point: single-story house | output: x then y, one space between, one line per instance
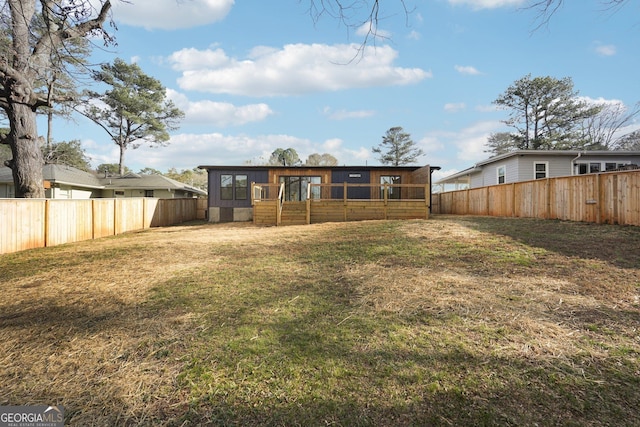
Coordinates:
66 182
526 165
230 187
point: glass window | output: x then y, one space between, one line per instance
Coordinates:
610 166
242 187
582 168
394 192
502 174
594 167
148 193
226 187
296 187
540 170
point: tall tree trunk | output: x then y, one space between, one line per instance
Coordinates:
49 129
121 164
27 159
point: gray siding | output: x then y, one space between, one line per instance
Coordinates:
489 175
556 166
214 186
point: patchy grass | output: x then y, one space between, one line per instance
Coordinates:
450 321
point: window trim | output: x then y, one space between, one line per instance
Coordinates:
546 169
394 192
501 172
238 195
226 186
297 185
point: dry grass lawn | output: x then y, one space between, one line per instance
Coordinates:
450 321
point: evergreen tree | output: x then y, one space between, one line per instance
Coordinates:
397 148
134 111
546 113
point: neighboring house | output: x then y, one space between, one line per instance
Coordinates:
158 186
66 182
61 182
230 186
526 165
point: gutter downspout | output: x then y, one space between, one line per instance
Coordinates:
573 165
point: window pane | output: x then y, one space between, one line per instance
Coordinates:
226 187
609 166
501 174
394 193
594 167
241 187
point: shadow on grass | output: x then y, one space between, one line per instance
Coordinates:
614 244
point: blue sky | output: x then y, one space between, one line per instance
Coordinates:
256 76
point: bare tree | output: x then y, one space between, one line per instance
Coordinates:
629 142
317 159
31 33
547 8
355 14
601 130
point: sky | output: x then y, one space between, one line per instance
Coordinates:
254 76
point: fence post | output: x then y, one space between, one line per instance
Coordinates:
47 222
548 198
486 206
93 218
467 203
309 203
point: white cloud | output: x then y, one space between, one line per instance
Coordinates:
368 29
414 35
605 49
471 141
487 4
440 174
491 108
454 107
292 70
220 114
469 144
472 71
170 14
188 150
194 59
430 144
344 114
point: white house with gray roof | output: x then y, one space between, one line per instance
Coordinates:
66 182
526 165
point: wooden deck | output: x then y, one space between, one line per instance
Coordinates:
312 211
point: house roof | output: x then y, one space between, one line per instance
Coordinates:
68 175
572 154
147 182
558 153
61 174
269 167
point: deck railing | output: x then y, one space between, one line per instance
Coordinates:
275 205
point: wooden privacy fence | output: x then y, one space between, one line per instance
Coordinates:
36 223
611 197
